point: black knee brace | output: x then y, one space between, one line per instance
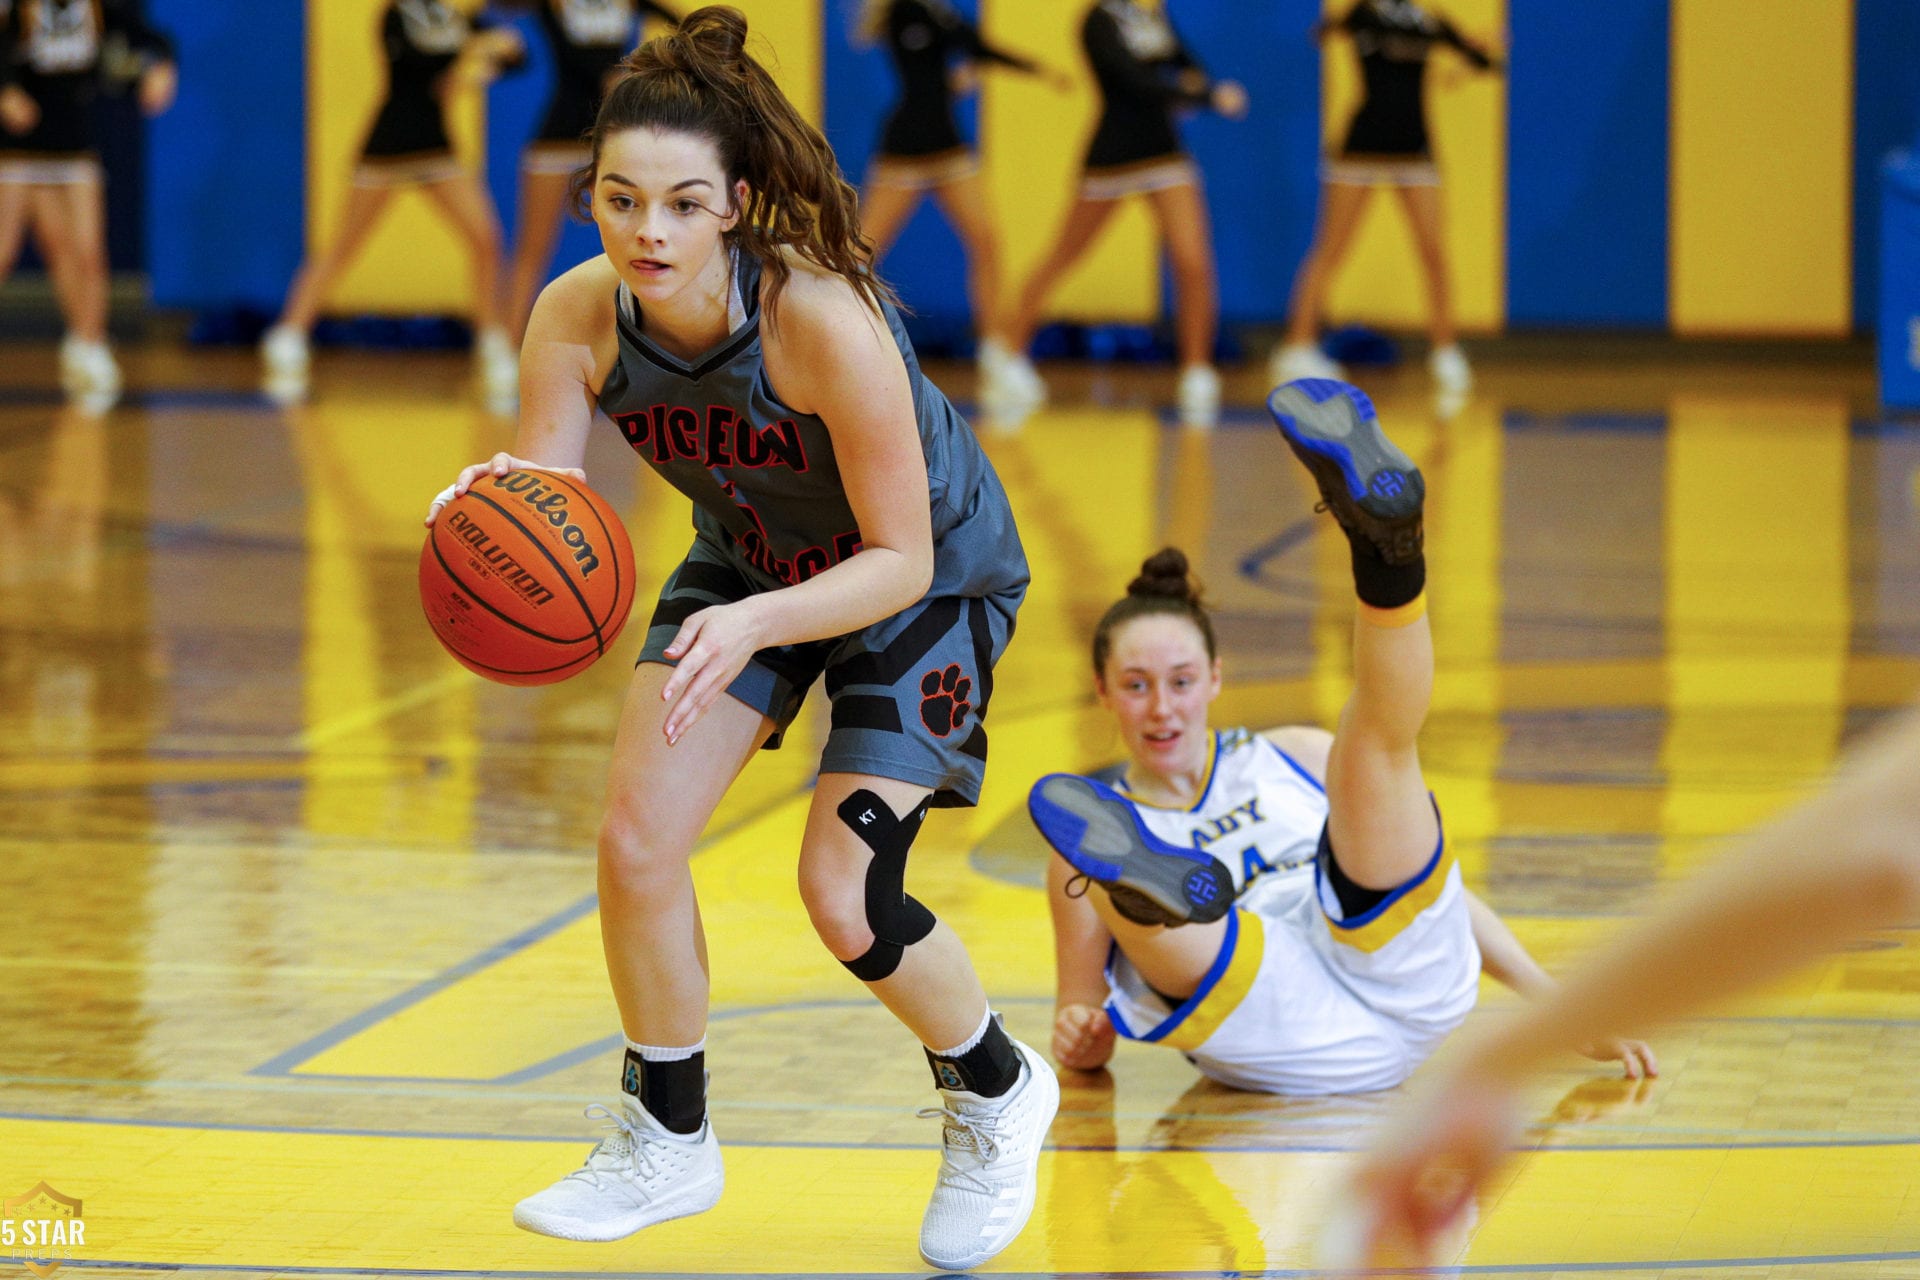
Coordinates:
896 919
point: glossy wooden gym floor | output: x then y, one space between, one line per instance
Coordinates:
299 967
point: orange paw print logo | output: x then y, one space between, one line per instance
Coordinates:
943 704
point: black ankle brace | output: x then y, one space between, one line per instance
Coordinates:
989 1069
674 1093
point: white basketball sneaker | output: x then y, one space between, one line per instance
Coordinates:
499 366
287 362
989 1169
1450 370
1199 396
640 1174
1010 387
1296 360
88 370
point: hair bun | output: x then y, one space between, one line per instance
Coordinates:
1164 575
718 29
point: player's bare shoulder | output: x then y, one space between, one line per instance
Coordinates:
579 303
820 322
574 324
814 297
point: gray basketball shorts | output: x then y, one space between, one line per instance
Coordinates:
909 693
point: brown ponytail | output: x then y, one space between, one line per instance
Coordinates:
1164 586
701 80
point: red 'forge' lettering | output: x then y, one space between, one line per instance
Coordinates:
666 432
757 550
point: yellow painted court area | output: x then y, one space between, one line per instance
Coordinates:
221 1199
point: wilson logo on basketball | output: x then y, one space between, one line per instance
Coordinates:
510 571
551 504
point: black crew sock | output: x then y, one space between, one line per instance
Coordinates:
1383 585
989 1069
674 1093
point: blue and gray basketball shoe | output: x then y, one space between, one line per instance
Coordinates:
1372 488
1148 880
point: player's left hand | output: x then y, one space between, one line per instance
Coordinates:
1083 1037
712 647
159 84
1635 1056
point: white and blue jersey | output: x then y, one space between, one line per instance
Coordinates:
1300 1001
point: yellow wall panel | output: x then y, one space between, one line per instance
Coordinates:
1032 139
413 262
1381 281
786 36
1762 149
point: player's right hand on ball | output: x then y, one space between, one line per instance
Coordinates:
1083 1037
498 465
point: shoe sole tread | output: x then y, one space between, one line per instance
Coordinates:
1366 480
1101 837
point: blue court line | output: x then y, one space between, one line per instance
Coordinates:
1622 423
594 1048
1535 1147
1657 423
182 398
1253 564
158 788
1284 1273
284 1063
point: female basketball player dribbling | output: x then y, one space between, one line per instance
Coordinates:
846 524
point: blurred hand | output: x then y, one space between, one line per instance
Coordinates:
502 46
964 80
1059 81
1083 1037
159 85
498 465
482 59
713 646
1422 1171
1636 1056
1230 99
18 112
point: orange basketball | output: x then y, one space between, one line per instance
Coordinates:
527 577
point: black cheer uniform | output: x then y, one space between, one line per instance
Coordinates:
1394 39
588 38
925 38
422 39
1145 73
52 50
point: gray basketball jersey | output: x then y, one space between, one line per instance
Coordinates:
763 478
